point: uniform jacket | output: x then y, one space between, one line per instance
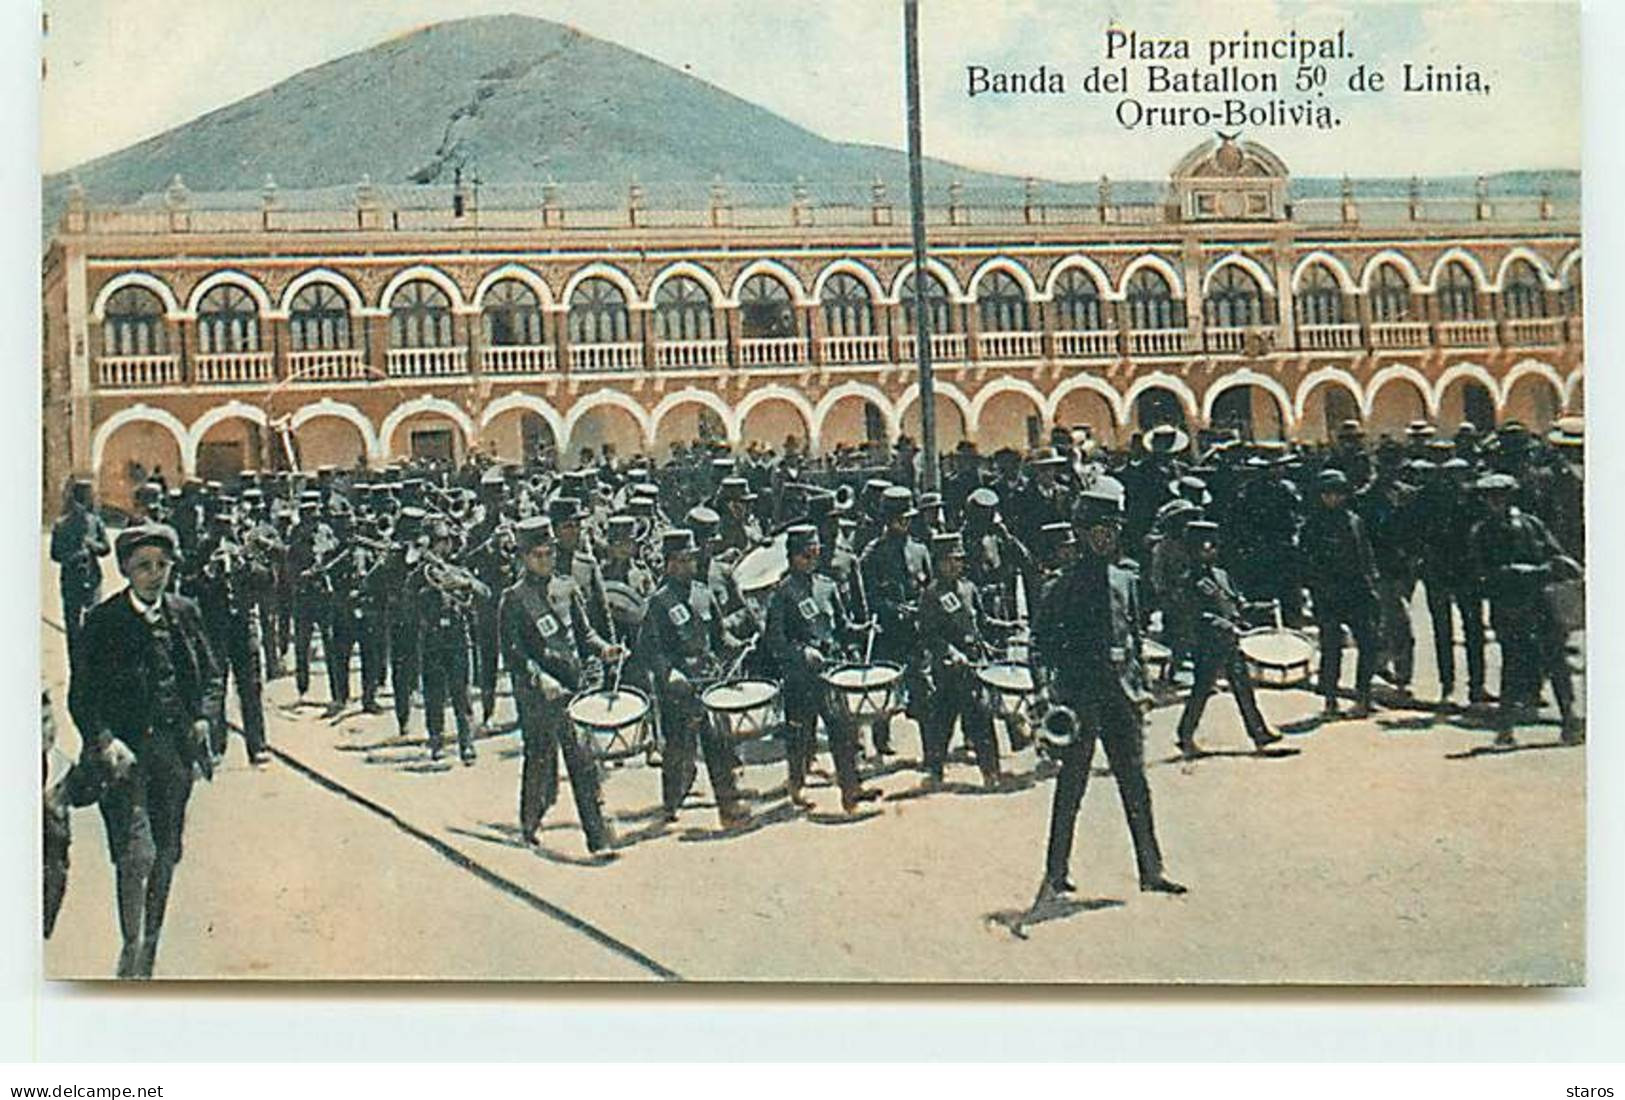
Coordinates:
545 626
1086 632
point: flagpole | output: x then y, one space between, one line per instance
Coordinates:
916 197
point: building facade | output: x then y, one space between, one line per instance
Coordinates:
202 334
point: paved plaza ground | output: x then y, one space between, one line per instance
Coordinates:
1398 849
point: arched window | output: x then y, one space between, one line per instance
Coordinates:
1522 294
512 316
228 320
1002 303
1572 293
1077 302
420 316
319 319
133 323
1390 295
936 301
683 311
847 309
1457 293
1234 299
598 313
1319 298
1151 303
765 311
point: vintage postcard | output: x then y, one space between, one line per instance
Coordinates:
1062 492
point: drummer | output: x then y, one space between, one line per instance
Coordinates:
951 626
680 643
1216 613
806 624
895 568
545 635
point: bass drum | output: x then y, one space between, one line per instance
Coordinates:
762 568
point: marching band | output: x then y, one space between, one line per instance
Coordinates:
677 611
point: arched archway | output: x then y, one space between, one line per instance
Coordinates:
1466 395
428 434
1085 407
517 434
776 415
603 425
1326 397
227 441
951 426
685 418
1533 398
852 418
327 439
132 451
1394 400
1249 408
1009 413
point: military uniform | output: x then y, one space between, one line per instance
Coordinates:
679 643
951 633
78 541
1343 582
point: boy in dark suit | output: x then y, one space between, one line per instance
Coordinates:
144 693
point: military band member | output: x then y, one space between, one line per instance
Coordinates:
224 595
807 625
78 543
951 633
1086 639
145 693
1217 620
310 548
1343 583
1518 557
895 569
445 610
681 643
546 635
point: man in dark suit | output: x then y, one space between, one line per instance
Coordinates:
144 692
78 541
1087 643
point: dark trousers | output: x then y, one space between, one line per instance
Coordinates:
405 668
1112 720
488 651
1442 597
805 704
445 679
688 730
957 699
340 640
75 606
1532 652
374 656
309 617
1394 622
240 661
1358 611
1209 664
546 731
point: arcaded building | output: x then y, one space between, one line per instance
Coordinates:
207 333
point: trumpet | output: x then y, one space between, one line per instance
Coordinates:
453 581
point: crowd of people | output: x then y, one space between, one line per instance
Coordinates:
1115 577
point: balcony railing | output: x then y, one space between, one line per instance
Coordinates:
945 347
1538 331
130 371
1328 337
606 357
1097 344
427 362
518 359
1010 345
1226 339
772 351
840 350
327 365
1399 334
1466 334
242 368
1159 341
691 354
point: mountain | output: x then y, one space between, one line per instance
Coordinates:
516 100
507 98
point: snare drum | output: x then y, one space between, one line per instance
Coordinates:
743 710
1006 688
1155 659
615 723
1277 657
866 693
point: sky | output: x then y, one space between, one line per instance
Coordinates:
118 71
